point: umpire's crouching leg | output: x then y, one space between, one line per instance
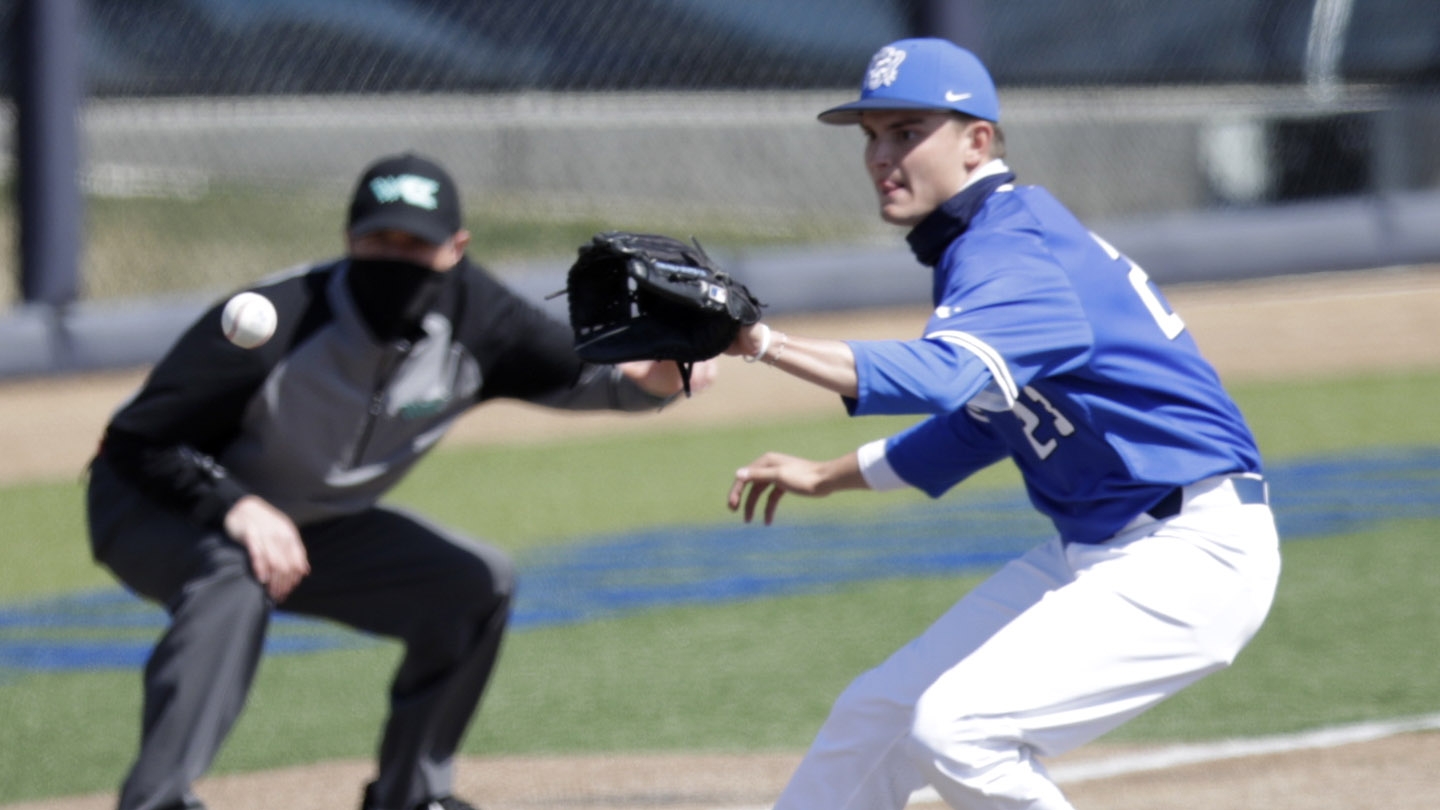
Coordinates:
448 599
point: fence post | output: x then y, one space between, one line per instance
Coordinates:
47 98
960 21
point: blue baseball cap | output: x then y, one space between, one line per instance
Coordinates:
922 74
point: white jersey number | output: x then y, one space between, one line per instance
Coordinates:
1169 322
1031 420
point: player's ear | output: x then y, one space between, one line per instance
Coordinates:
976 141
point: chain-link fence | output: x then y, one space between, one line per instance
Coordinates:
220 137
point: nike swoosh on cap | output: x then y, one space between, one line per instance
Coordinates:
953 97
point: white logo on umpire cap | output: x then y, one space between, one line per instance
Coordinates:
884 67
412 189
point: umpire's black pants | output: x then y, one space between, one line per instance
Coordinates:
383 572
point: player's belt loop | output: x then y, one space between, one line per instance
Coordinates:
1245 489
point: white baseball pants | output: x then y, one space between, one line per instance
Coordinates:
1057 648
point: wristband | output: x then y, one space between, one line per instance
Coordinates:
764 345
779 350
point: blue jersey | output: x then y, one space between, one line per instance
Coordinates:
1050 347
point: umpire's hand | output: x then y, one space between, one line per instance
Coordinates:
276 553
661 378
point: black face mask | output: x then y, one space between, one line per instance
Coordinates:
393 296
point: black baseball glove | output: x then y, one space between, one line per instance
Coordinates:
637 296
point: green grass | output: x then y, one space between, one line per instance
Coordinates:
612 484
1350 638
1345 641
44 550
1300 418
761 674
1340 646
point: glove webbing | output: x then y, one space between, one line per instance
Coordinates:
685 366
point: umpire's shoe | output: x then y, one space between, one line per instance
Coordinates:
443 803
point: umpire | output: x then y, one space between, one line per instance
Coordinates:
238 480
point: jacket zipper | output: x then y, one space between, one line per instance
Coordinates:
376 408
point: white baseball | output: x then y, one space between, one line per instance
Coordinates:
248 320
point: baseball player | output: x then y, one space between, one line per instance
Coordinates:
1048 347
236 480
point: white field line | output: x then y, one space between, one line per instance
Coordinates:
1193 754
1176 755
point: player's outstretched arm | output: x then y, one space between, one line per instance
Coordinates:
777 473
829 364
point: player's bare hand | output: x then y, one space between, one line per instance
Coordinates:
661 378
277 555
775 474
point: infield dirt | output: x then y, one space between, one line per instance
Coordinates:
1288 328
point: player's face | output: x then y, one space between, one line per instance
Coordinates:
400 246
917 160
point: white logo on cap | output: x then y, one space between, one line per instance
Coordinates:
413 189
884 68
952 96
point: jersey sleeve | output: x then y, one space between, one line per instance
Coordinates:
529 355
1004 315
603 387
523 352
923 376
164 440
939 452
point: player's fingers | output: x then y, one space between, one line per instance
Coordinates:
745 476
753 500
771 503
742 477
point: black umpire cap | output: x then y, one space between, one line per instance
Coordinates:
406 193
